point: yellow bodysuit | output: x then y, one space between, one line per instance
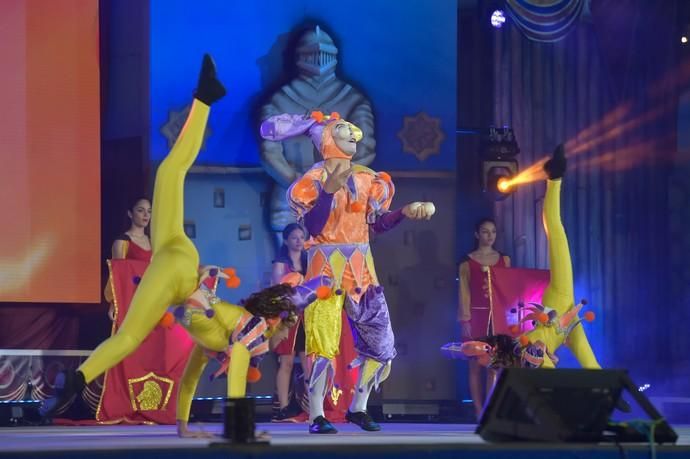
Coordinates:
172 275
231 331
559 295
556 319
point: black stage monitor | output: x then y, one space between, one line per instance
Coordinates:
564 405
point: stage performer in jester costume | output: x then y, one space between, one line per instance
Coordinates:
339 203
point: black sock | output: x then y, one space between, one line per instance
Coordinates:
209 89
555 167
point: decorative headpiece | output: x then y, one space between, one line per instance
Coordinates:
508 351
545 316
318 126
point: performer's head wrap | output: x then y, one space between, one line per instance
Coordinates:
516 349
319 127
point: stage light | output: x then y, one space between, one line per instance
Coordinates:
503 184
498 178
498 18
498 149
684 39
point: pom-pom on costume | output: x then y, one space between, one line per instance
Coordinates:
338 247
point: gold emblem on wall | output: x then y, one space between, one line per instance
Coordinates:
150 392
421 135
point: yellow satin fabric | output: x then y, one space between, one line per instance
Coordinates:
322 326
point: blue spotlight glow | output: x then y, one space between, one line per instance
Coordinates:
498 18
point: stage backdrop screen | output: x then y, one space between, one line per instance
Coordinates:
49 151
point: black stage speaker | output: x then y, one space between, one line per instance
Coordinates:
568 405
239 422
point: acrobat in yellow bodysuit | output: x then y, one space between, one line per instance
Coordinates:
173 276
556 319
237 336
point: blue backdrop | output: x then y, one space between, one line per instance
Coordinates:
402 55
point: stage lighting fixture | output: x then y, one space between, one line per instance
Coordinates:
684 39
503 184
498 18
499 148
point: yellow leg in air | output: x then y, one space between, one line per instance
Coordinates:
559 295
173 273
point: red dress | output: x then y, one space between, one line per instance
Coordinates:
135 252
478 288
287 346
142 389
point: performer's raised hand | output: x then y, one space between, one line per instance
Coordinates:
336 180
419 210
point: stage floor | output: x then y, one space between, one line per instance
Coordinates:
288 440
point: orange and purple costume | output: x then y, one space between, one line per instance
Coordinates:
338 249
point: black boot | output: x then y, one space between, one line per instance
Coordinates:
67 384
555 167
321 425
362 419
209 89
288 412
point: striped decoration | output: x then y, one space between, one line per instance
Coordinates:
545 20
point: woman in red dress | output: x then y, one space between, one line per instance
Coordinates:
292 258
474 311
133 244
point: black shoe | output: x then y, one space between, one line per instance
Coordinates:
286 414
322 426
362 419
67 384
555 167
209 89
